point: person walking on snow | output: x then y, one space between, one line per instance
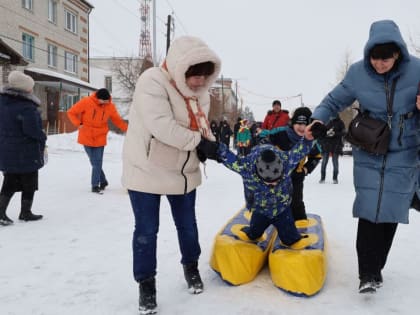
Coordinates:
91 115
22 145
168 117
332 145
384 184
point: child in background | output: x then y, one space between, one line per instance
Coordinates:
243 138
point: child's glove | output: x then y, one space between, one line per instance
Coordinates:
318 130
207 149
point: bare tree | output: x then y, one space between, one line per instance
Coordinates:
347 114
415 46
127 71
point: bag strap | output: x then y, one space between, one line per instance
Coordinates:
390 98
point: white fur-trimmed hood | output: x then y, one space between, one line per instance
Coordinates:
187 51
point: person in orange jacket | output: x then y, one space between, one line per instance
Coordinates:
91 115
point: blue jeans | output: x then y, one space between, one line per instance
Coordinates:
146 214
284 223
325 157
96 155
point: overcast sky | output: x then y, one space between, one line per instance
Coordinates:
272 48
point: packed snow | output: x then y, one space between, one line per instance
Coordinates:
77 260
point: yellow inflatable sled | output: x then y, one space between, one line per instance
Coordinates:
300 269
235 258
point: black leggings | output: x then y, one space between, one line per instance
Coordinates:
26 195
373 244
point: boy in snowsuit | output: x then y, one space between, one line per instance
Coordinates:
266 175
285 138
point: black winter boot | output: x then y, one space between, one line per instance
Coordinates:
192 276
147 299
26 213
4 202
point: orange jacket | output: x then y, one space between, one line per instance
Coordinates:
92 119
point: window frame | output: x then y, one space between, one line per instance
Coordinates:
28 48
70 62
28 4
52 55
108 82
70 21
52 11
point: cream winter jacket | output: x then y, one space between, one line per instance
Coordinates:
159 154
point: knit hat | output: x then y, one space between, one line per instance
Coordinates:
20 81
302 115
103 94
276 102
269 166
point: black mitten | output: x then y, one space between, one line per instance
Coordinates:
318 130
208 149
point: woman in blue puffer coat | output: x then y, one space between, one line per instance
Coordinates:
384 184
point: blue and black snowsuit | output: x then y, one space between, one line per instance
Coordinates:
269 203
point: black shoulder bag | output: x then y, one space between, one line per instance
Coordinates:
369 134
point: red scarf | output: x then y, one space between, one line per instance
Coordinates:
198 120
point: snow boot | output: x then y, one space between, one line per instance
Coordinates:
4 202
147 298
97 190
192 276
103 185
367 285
26 213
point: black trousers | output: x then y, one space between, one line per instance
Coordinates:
297 205
373 243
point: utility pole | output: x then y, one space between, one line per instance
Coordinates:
168 33
154 33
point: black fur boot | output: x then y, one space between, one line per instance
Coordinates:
192 276
4 202
147 299
26 213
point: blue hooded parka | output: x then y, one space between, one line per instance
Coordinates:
384 184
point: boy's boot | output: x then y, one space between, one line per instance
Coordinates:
192 276
4 202
25 211
147 298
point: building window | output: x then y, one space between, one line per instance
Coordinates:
68 101
70 62
71 21
52 11
27 4
52 56
108 83
28 50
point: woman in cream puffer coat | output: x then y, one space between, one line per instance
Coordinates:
160 158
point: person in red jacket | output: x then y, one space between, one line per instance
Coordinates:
91 115
276 117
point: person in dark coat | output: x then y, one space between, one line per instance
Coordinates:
285 138
332 145
214 129
236 127
225 132
22 144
